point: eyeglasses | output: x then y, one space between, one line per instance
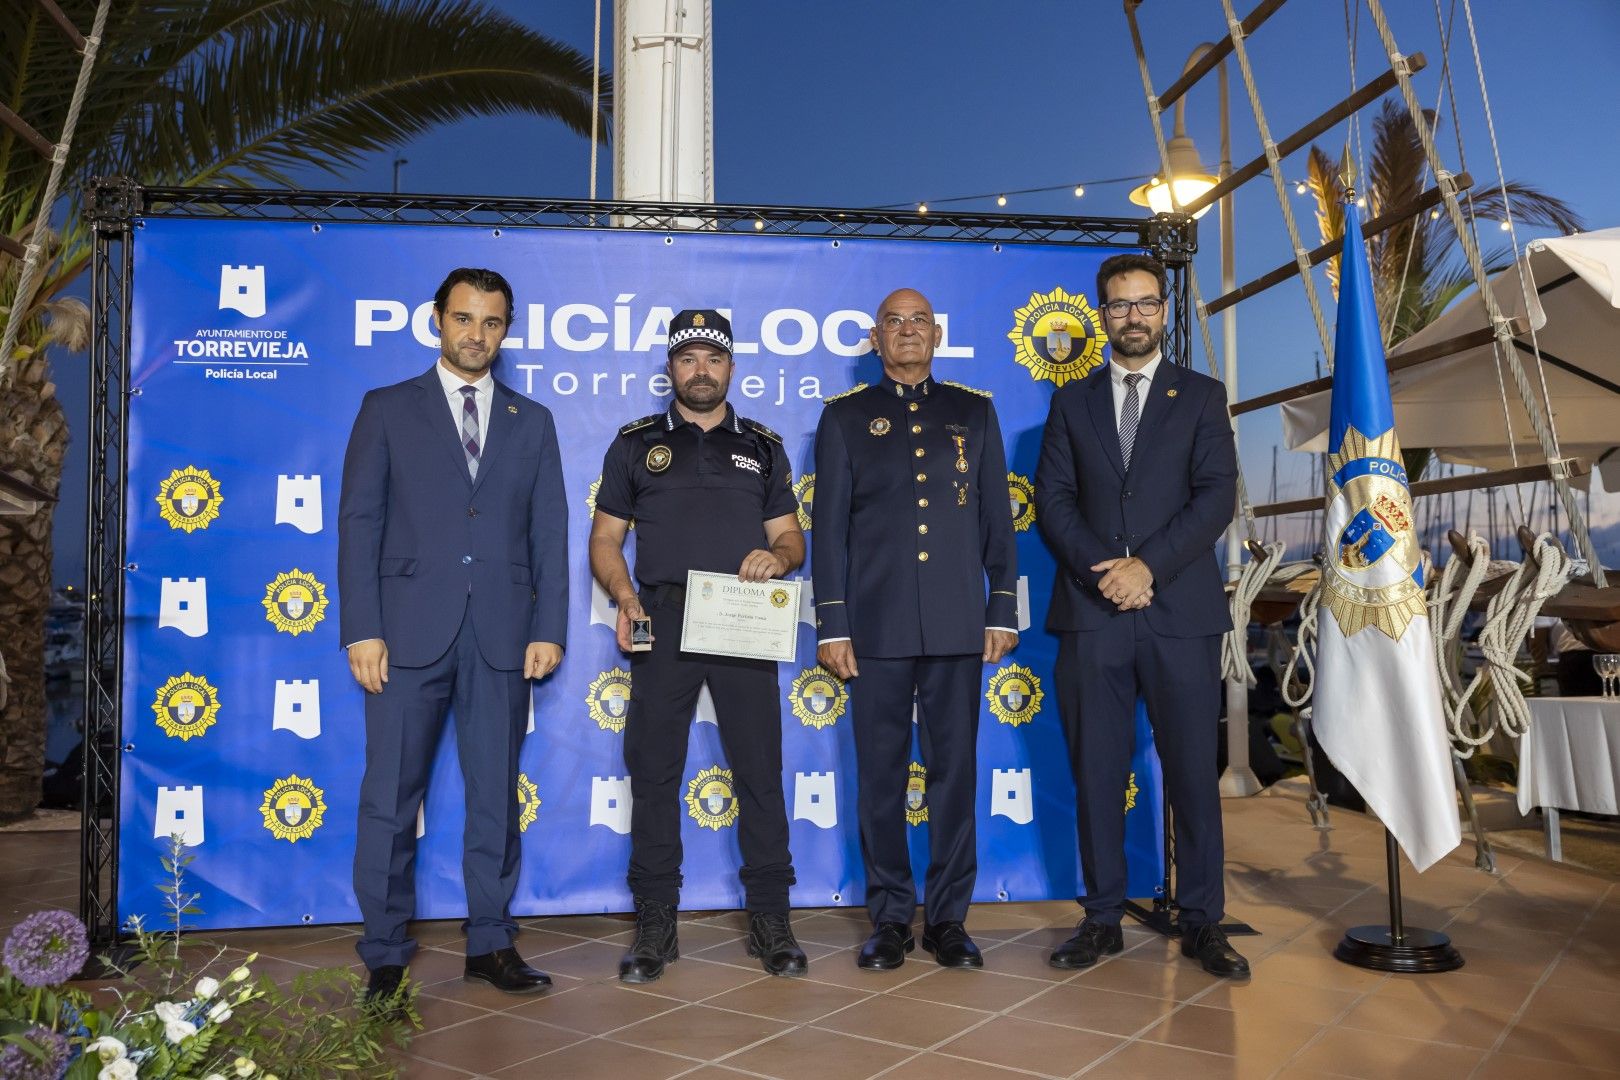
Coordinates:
919 322
1119 309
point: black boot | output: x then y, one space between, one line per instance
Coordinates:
654 945
770 937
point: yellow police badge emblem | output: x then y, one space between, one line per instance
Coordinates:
1057 336
528 797
880 426
294 602
189 499
658 458
186 706
1021 500
1015 695
293 808
711 801
818 697
1373 575
779 598
1131 792
609 699
804 489
917 794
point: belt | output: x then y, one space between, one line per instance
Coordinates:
663 596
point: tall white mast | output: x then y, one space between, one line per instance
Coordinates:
663 133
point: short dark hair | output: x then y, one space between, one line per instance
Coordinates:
1115 265
480 279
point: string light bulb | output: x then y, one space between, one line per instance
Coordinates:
922 208
1079 191
1434 215
1301 188
758 224
1504 226
1001 200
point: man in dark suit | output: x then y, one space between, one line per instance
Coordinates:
453 581
916 587
1137 480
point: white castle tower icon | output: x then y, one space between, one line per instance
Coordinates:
183 605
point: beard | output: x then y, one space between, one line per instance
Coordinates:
473 362
701 394
1135 347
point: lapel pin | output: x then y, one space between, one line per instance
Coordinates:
513 408
1168 393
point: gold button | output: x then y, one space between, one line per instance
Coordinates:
918 452
923 503
916 429
922 556
922 478
912 406
923 529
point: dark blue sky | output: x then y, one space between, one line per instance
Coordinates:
858 104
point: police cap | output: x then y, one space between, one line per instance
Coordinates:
702 324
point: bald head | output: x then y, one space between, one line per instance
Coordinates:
905 335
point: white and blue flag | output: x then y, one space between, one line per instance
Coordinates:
1378 711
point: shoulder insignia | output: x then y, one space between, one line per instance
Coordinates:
755 425
964 386
637 425
857 388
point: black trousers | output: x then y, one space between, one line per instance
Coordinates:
402 731
665 684
947 691
1099 675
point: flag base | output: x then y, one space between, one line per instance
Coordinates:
1416 952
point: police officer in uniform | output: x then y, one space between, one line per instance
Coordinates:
915 588
708 490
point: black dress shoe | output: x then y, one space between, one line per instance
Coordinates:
770 937
1208 945
1091 941
654 945
887 947
951 946
505 970
382 992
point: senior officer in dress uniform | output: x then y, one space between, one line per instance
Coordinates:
916 583
708 490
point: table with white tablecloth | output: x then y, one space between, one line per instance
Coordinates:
1570 760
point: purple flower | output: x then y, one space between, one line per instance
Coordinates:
47 948
18 1064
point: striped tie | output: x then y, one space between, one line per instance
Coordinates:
1128 415
469 427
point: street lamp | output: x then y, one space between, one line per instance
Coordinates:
1189 181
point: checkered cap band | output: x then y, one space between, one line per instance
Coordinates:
700 333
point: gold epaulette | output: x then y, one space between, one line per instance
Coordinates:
637 425
857 388
755 425
964 386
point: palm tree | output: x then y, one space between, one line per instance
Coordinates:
1417 266
210 92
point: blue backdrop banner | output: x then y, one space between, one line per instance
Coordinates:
251 346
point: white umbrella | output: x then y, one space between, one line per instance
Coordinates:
1455 404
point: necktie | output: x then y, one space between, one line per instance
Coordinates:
469 428
1128 415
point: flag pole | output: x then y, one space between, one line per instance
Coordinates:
1397 947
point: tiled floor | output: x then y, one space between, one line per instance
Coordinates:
1540 995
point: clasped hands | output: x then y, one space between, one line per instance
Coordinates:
1127 583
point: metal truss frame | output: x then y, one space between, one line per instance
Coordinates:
114 208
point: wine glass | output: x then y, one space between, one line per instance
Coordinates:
1608 669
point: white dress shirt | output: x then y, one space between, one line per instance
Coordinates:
1116 375
485 396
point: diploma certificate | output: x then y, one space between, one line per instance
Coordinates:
725 616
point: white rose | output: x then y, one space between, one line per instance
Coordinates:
122 1069
178 1031
107 1048
206 987
239 974
220 1013
169 1011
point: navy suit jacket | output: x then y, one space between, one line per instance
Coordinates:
1169 510
419 540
